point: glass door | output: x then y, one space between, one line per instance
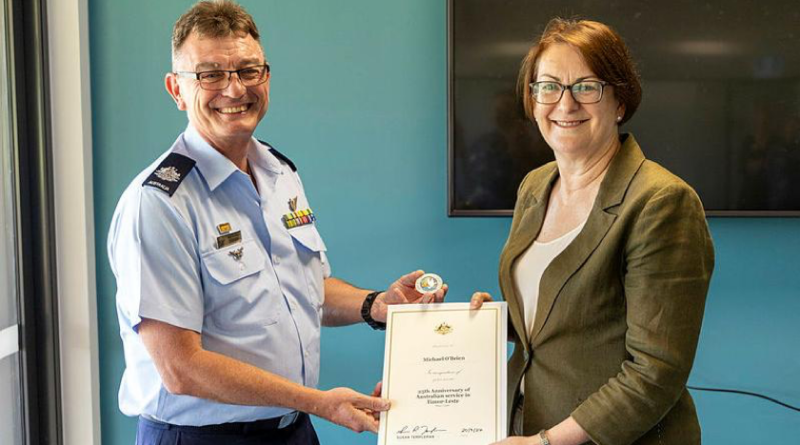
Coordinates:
11 425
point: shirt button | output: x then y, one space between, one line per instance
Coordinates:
276 259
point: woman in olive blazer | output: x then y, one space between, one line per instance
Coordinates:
619 309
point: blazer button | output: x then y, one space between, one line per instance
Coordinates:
526 355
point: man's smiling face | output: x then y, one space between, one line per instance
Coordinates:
228 116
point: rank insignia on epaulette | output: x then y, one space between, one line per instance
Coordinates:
170 173
298 218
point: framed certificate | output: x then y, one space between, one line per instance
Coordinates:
445 374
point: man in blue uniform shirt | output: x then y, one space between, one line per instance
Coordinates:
223 282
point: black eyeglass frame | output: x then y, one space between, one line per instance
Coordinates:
602 83
195 75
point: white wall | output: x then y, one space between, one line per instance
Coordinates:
70 107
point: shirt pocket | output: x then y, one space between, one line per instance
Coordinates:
311 254
309 238
237 300
234 262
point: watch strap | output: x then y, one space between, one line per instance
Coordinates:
543 437
366 312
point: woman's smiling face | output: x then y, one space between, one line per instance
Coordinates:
571 128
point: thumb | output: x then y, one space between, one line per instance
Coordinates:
371 403
410 279
478 298
378 389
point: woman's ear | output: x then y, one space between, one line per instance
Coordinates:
620 112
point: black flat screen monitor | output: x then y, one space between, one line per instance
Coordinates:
720 107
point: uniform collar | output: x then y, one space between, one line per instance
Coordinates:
262 157
215 167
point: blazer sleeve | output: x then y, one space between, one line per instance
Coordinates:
669 259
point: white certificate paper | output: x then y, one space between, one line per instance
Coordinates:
445 374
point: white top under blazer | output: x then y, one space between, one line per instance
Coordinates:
531 265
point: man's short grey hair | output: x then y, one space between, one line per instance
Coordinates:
215 19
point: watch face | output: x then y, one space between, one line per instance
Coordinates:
428 283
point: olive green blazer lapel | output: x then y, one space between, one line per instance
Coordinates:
603 214
522 235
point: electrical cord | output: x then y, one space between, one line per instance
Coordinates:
746 393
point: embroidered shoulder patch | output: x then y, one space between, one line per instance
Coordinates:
170 173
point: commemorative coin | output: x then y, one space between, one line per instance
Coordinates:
429 282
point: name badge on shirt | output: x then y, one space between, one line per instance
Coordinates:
229 239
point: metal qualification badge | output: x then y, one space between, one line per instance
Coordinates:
428 283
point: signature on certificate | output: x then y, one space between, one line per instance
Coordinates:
420 429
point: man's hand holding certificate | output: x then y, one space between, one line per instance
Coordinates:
445 374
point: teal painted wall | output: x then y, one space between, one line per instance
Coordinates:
359 102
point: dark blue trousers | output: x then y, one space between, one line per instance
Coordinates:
301 432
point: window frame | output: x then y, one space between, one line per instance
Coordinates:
32 152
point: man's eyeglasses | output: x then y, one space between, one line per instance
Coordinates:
584 92
220 79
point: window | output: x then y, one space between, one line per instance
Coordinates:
30 391
10 375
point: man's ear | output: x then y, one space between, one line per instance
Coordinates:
174 90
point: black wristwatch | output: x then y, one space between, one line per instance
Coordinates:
366 309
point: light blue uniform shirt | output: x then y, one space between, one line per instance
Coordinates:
263 308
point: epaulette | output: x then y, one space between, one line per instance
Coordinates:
280 155
170 173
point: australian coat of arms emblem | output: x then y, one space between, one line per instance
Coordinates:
443 329
169 174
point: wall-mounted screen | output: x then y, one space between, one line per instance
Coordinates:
720 107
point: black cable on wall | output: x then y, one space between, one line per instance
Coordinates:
745 393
